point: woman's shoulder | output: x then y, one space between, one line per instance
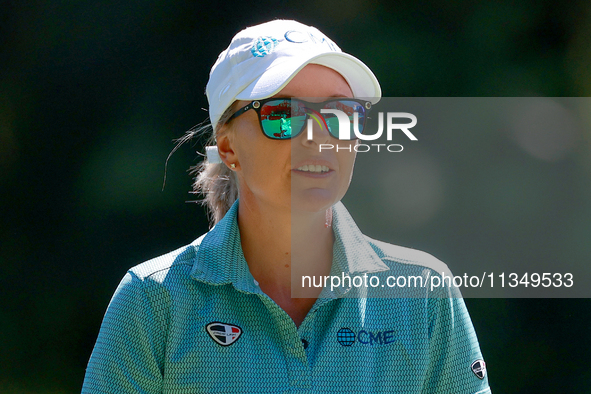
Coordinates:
179 261
399 255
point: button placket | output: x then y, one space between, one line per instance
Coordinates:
298 370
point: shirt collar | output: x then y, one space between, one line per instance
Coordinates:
220 260
219 256
352 253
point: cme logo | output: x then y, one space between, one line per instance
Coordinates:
347 337
263 46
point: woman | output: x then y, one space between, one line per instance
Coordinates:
218 315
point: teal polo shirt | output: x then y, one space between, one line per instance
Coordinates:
195 321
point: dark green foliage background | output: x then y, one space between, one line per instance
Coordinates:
93 93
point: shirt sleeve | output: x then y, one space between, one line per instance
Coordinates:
127 356
456 363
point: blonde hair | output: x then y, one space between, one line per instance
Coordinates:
215 181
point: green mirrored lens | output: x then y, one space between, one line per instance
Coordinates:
298 123
350 108
275 119
333 124
285 118
277 128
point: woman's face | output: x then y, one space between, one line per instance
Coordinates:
273 172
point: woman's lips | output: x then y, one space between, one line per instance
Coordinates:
313 174
318 169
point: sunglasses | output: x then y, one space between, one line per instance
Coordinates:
285 118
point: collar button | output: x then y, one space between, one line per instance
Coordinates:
305 343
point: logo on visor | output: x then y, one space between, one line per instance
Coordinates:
263 46
223 334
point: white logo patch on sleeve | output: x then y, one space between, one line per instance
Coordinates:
479 368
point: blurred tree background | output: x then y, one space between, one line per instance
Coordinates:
92 95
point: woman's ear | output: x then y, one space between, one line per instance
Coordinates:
226 150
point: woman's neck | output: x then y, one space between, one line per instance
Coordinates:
281 246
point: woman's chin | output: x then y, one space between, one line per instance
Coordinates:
312 200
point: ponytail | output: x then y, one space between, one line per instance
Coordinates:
215 181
